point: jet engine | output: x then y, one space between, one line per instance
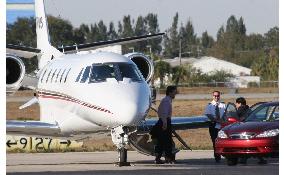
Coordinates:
15 72
144 64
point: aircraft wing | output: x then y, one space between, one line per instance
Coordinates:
100 44
35 128
178 123
142 142
22 51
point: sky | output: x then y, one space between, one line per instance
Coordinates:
206 15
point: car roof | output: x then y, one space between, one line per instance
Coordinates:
272 103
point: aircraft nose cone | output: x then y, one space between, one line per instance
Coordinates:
132 110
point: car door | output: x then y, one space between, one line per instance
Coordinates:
230 115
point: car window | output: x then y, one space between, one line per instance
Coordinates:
256 105
274 114
230 111
264 113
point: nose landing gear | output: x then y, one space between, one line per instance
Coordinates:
120 139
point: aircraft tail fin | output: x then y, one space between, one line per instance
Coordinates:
43 38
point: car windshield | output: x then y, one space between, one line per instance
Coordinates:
264 113
100 72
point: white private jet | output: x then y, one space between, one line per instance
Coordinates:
86 92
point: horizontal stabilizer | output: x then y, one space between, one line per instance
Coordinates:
22 51
31 128
100 44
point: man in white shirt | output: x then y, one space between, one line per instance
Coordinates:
164 138
214 111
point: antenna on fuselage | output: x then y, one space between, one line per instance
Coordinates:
76 48
62 48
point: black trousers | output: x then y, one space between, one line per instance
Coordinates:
164 141
213 134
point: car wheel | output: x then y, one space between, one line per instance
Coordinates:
231 161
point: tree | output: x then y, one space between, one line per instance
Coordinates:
120 29
242 28
254 42
272 37
188 39
161 69
140 29
220 34
171 41
61 31
206 40
127 27
267 66
102 31
127 31
232 25
22 32
85 30
152 26
111 32
179 73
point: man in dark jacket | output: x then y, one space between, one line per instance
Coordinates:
242 108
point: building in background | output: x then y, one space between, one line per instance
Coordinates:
208 65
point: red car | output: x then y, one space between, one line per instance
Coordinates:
256 136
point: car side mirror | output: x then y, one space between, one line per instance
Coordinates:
232 120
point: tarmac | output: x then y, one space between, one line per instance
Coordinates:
188 162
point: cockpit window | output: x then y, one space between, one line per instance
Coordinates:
129 71
100 72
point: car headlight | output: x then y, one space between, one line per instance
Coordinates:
269 133
222 134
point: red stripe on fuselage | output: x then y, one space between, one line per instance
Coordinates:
57 97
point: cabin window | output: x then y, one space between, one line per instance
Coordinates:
100 72
57 75
67 75
48 75
43 75
79 76
85 74
53 75
62 75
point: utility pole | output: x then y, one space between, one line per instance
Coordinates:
150 51
180 51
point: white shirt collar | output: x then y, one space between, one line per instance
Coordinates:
213 102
